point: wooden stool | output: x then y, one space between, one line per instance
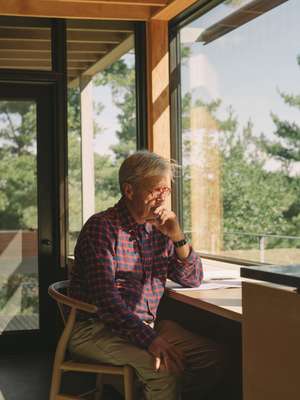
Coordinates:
57 292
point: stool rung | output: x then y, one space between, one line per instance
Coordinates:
101 368
67 397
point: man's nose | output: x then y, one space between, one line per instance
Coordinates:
160 201
163 195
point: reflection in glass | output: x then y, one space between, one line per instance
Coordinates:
241 134
18 217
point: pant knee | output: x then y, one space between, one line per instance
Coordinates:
162 385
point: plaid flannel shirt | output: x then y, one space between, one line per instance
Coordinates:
122 267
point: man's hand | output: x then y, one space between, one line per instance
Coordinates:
167 355
167 222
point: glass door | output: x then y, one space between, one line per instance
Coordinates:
26 209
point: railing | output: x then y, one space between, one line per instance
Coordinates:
262 239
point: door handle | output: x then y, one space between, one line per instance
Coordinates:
46 242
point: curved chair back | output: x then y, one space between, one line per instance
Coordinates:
59 292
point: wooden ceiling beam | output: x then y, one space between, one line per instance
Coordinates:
101 26
94 37
46 56
89 47
25 55
147 3
79 64
72 36
24 28
28 64
73 73
115 54
26 45
25 34
91 57
74 9
105 61
173 8
16 45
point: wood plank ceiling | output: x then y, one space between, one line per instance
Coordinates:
26 44
92 41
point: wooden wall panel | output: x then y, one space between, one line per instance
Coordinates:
158 88
75 9
271 351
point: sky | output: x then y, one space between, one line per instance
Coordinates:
247 67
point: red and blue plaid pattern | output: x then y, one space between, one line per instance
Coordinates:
122 267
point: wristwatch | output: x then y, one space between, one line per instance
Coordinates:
180 243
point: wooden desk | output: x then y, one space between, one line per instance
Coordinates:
271 351
226 303
216 314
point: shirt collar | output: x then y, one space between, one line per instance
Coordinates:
127 219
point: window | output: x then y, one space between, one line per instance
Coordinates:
102 114
240 130
19 302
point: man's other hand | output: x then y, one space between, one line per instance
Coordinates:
166 355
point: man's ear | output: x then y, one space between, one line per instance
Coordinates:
128 190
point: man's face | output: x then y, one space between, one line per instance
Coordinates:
150 194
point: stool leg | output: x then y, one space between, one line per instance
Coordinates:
129 382
55 382
99 387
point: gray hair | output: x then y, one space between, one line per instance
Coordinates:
144 164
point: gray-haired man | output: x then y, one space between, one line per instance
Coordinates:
123 257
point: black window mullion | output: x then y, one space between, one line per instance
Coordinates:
59 66
141 85
176 126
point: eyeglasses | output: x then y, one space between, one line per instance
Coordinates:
162 191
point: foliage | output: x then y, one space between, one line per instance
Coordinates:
285 148
255 200
18 194
120 77
74 160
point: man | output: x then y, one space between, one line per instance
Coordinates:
123 257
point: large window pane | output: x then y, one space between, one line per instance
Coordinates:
102 116
18 217
241 130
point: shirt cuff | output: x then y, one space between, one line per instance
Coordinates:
145 337
191 258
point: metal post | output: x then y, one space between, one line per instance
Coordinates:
262 248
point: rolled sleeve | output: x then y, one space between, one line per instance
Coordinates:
187 272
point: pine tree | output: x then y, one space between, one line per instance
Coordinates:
285 148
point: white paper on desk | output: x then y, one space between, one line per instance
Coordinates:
207 285
220 274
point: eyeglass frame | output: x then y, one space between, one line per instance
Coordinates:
161 191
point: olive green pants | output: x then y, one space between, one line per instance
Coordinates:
93 341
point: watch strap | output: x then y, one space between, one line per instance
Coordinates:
180 243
